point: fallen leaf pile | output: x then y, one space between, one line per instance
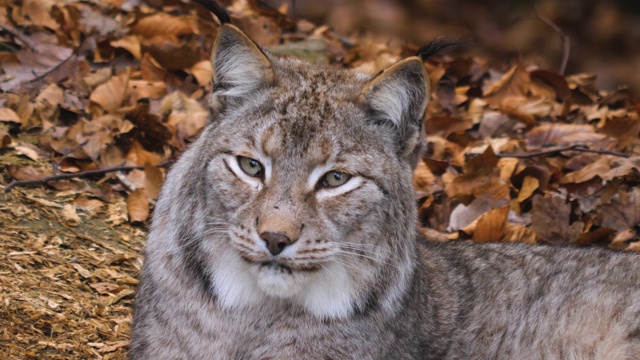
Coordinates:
99 99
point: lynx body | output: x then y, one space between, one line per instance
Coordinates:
288 231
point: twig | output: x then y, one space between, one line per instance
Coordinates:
88 173
566 40
558 151
39 77
18 36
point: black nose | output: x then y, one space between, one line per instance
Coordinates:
276 242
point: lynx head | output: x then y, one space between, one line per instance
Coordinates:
298 192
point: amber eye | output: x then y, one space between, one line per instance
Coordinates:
250 166
333 179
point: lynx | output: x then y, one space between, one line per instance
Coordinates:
288 231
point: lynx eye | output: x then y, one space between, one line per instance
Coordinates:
333 179
250 166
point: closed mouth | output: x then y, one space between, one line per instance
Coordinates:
276 265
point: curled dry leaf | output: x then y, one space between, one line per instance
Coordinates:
8 115
606 168
202 71
463 215
154 178
529 185
514 82
110 95
138 206
130 43
490 227
162 25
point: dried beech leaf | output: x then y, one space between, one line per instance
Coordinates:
110 95
562 135
529 185
514 82
154 179
491 225
463 215
519 233
162 25
69 215
550 220
138 206
8 115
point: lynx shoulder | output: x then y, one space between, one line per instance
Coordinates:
288 231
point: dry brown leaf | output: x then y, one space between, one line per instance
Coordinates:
623 212
526 109
69 215
463 215
162 25
202 71
173 56
519 233
154 178
45 106
130 43
490 227
550 220
186 114
27 151
110 95
607 168
561 135
138 206
46 60
514 82
140 89
81 270
483 181
37 12
5 139
88 204
529 186
8 115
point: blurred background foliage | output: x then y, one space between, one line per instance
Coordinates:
604 35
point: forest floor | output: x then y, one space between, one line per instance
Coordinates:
99 98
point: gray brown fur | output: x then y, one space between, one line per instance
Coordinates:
358 282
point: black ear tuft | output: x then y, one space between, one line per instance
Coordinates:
436 46
218 10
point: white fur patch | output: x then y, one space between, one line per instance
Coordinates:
330 294
327 293
234 283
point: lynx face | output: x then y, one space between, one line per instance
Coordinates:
307 181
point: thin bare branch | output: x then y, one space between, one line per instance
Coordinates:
82 174
566 40
559 151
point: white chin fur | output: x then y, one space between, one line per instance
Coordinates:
280 283
326 293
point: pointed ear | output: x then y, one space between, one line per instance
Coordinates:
240 68
397 97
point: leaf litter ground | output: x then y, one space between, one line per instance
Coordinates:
100 98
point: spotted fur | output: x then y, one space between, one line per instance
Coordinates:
356 282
